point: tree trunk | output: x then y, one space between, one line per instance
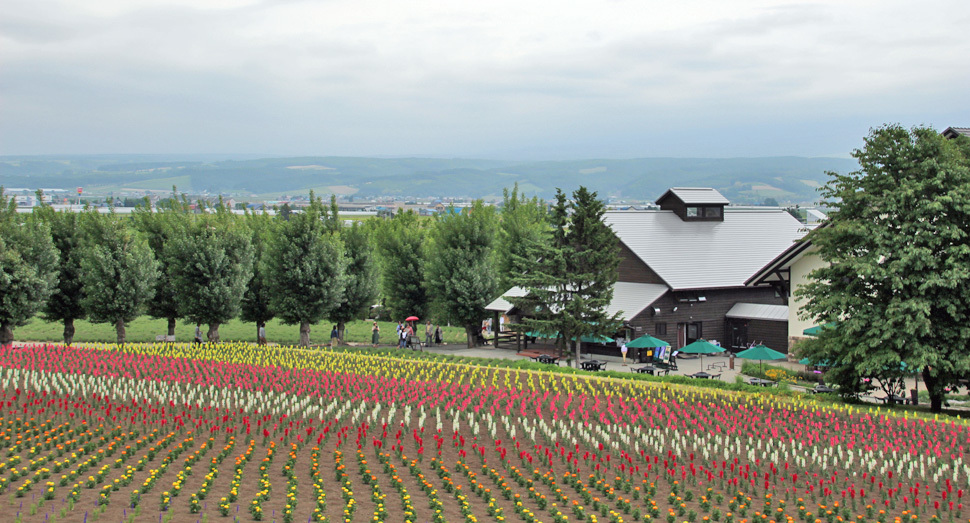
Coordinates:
213 334
171 326
340 331
120 330
68 331
470 334
935 390
6 334
304 334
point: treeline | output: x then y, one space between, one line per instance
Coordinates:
301 268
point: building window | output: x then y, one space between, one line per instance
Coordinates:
661 329
712 212
694 332
693 212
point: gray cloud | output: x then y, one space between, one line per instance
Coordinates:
372 77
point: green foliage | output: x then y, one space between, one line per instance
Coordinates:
305 265
462 278
161 227
523 223
898 256
361 276
118 271
255 305
28 267
64 304
571 284
211 265
400 243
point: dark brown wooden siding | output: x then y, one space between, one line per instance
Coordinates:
710 313
632 269
774 334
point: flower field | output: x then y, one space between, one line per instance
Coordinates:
239 433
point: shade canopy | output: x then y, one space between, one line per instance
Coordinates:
701 347
806 361
596 338
760 352
646 342
588 338
816 330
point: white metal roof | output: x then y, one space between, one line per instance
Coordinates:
632 298
757 311
697 195
502 305
706 254
628 298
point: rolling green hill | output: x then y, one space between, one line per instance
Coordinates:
742 180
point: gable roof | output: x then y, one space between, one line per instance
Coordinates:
502 305
695 196
628 298
953 132
702 255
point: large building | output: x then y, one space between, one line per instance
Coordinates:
684 269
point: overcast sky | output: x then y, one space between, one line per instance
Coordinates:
502 79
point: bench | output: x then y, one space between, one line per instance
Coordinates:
165 338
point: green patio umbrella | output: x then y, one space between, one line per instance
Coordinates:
816 330
646 342
701 347
806 361
761 353
595 338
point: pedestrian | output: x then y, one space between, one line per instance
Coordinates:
402 335
623 350
437 335
261 335
334 336
375 335
198 334
408 332
428 331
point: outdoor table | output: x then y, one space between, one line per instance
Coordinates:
593 365
648 369
548 360
822 389
761 382
701 375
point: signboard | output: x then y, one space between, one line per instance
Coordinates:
79 191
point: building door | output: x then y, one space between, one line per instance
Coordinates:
739 335
688 333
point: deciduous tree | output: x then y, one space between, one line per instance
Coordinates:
305 267
400 242
211 265
361 277
461 267
28 267
898 252
118 271
64 304
256 300
161 226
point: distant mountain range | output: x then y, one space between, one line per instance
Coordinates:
742 180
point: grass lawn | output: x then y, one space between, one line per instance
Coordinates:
145 329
